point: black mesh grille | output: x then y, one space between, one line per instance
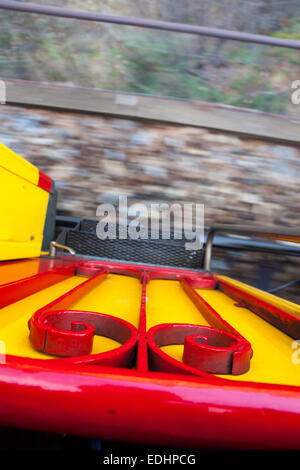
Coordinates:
161 252
89 225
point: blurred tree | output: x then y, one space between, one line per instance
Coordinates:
36 47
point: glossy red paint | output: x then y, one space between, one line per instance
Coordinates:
217 352
71 333
44 182
90 268
72 296
142 355
156 408
130 268
281 319
200 282
180 407
211 316
206 350
21 288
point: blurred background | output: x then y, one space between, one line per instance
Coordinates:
94 157
160 63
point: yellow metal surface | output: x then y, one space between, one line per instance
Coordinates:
166 303
17 165
117 295
272 359
23 207
285 305
13 271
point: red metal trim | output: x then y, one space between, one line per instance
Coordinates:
52 333
142 357
127 268
18 290
161 409
206 350
192 410
44 182
198 359
209 313
217 352
277 317
200 282
162 335
72 296
53 329
90 268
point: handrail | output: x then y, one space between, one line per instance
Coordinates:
54 245
277 233
146 23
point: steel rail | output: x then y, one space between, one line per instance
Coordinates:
276 233
146 23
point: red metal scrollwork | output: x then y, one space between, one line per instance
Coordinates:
216 349
108 402
206 349
70 333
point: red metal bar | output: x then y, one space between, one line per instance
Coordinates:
277 317
44 182
155 408
66 396
209 313
18 290
142 358
58 331
72 296
206 349
134 268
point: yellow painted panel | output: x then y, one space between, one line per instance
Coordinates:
10 272
168 303
285 305
18 250
13 318
23 208
17 165
272 360
117 295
